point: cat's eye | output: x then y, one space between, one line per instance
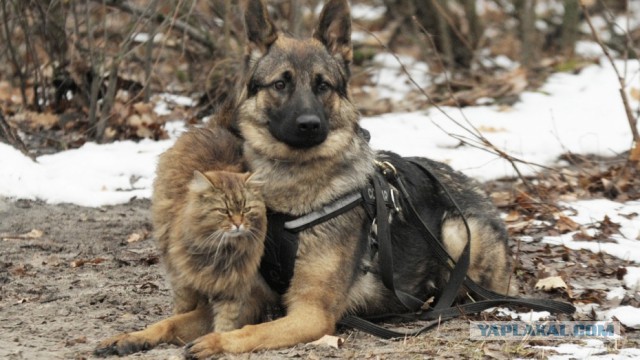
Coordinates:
246 210
221 210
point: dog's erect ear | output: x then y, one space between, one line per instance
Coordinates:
334 29
261 32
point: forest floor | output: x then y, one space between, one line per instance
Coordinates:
71 276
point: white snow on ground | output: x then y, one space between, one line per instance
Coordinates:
582 114
391 82
627 245
632 278
366 12
590 349
92 175
629 316
579 113
531 316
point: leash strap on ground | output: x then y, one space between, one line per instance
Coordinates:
378 199
537 304
382 332
458 270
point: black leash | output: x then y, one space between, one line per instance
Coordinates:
442 310
379 202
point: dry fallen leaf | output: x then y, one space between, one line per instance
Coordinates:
551 283
81 262
493 351
33 234
501 198
329 340
137 236
565 224
35 120
75 341
518 227
512 216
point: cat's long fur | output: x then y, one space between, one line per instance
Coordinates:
210 222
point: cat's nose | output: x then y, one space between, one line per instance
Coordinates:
236 220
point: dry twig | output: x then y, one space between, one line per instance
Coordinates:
8 133
476 139
634 155
197 35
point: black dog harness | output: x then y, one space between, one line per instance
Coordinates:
380 199
282 232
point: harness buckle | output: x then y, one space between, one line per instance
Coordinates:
394 193
386 167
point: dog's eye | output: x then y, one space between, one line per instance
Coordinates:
280 85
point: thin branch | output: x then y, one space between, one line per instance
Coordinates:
477 140
194 33
8 133
452 25
633 121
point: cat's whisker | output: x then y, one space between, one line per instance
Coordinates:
221 241
206 245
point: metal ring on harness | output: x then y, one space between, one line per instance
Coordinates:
386 167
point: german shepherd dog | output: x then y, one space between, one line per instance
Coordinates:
303 142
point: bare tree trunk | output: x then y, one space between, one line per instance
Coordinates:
435 18
52 28
570 22
17 64
107 101
148 62
475 24
295 17
526 11
444 35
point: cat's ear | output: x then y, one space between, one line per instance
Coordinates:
250 179
200 182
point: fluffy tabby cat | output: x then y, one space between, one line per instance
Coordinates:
214 249
210 227
210 222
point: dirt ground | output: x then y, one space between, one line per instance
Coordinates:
70 276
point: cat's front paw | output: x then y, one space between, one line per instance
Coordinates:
122 344
204 347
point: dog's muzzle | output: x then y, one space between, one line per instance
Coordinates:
304 131
310 129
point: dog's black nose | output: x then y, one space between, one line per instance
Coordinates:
300 131
308 124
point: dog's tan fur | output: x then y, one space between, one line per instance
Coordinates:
325 285
332 274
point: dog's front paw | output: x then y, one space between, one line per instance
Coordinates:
203 347
121 345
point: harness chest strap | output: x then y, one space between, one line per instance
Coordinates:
281 245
